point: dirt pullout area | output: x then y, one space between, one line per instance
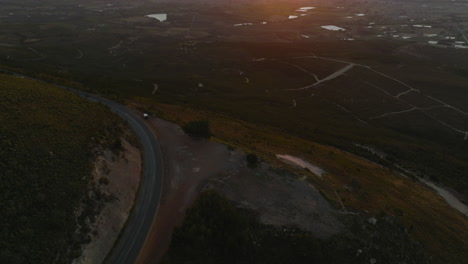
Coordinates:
279 198
110 198
194 164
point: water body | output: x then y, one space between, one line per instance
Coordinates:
333 28
160 17
305 9
243 24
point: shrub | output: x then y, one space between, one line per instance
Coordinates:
252 160
104 180
198 129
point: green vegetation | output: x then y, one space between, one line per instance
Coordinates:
103 52
49 138
352 182
198 129
215 231
120 54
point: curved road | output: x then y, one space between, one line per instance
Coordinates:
138 225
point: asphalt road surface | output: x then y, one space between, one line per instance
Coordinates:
146 205
138 225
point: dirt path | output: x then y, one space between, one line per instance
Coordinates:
397 97
188 164
394 113
351 113
116 46
191 165
298 67
330 77
462 32
447 105
450 198
422 109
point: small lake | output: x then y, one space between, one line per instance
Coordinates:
243 24
160 17
333 28
422 26
305 9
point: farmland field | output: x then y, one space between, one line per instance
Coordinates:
254 73
379 84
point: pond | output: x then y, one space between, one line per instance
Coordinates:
333 28
160 17
305 9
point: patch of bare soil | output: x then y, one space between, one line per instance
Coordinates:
188 164
279 198
109 201
194 164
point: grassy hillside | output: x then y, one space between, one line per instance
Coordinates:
350 182
47 138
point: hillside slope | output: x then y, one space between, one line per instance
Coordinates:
48 140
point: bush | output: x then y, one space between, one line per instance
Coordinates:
198 129
104 180
252 160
